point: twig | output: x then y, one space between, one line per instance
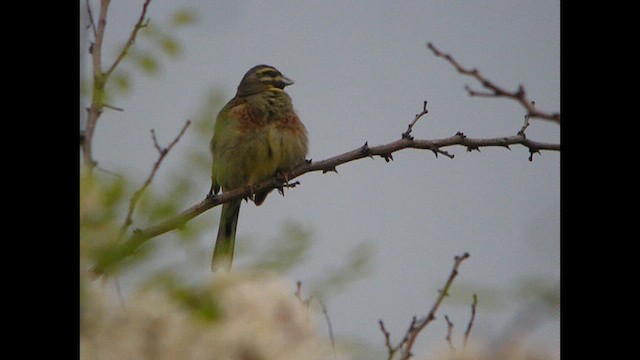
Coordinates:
432 313
136 196
112 107
330 328
298 294
387 341
494 90
526 120
473 317
307 304
449 331
407 133
91 23
139 25
416 325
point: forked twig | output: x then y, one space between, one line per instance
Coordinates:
417 325
162 153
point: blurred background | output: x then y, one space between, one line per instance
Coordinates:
376 240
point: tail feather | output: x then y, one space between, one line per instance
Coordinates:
223 250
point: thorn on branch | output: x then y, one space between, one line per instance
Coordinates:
532 151
331 169
387 157
365 149
505 143
113 107
470 148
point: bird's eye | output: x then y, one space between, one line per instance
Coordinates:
272 74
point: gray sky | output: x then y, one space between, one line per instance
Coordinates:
361 72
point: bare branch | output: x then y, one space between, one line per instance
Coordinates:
97 98
432 313
307 303
494 90
449 331
92 24
387 341
330 328
136 196
473 317
416 325
139 25
100 78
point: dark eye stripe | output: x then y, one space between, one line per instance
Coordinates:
272 74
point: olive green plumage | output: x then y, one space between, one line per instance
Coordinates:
256 135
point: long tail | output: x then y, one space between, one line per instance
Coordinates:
223 250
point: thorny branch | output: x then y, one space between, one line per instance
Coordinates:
494 90
140 236
417 325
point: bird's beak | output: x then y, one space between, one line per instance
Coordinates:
286 81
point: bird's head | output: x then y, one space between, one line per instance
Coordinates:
262 78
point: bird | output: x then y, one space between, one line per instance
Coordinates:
257 135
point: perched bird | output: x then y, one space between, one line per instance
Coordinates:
257 134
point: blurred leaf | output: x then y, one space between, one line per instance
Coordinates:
122 82
170 46
183 17
148 64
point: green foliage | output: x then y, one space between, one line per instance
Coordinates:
183 17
